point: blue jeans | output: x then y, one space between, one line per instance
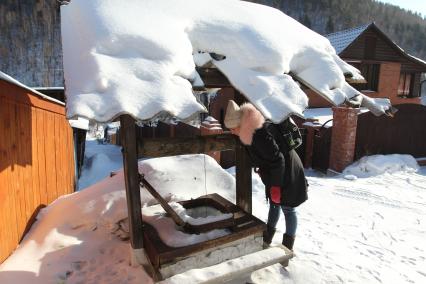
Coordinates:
289 214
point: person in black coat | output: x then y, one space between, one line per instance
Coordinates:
281 171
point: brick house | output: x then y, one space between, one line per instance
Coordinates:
389 71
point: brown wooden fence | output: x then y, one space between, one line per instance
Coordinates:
403 134
321 150
36 160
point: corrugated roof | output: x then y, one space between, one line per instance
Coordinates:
341 40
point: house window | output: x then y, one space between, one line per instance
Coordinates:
371 75
405 86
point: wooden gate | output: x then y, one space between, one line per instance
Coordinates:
403 134
321 151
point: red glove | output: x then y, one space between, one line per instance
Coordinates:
276 194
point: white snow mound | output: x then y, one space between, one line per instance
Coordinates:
136 57
378 164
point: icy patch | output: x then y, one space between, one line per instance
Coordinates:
378 164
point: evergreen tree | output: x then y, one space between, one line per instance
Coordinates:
329 28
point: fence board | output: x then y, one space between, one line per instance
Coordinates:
50 157
41 158
25 148
403 134
56 151
321 149
11 207
34 160
17 174
5 196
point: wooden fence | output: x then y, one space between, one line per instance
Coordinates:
36 160
321 150
403 134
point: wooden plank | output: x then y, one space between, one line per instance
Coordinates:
66 157
50 157
59 167
131 178
159 147
41 155
8 225
14 210
176 218
17 170
243 178
25 148
244 266
34 159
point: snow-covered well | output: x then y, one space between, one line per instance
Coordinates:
136 57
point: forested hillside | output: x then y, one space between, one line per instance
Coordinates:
30 46
405 28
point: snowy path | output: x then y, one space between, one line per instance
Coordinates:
369 230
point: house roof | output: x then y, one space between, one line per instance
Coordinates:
343 39
5 77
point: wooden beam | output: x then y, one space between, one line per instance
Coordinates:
242 169
244 265
160 147
176 218
131 178
243 178
213 78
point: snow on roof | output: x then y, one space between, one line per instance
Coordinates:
80 123
135 57
5 77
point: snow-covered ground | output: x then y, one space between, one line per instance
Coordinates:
364 226
99 161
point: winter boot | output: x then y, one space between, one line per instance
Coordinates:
288 241
268 235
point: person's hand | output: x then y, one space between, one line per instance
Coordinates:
276 194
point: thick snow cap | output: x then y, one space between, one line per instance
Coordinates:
136 57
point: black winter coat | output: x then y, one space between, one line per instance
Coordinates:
277 168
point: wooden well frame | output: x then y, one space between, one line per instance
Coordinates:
135 148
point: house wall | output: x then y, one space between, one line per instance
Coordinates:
36 160
388 84
388 87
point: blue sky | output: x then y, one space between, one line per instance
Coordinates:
413 5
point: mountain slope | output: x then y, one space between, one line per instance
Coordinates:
405 28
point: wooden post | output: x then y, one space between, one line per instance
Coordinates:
243 169
131 178
243 178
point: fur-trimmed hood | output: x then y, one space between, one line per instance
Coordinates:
251 119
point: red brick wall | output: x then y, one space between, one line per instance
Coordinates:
388 88
388 84
343 138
